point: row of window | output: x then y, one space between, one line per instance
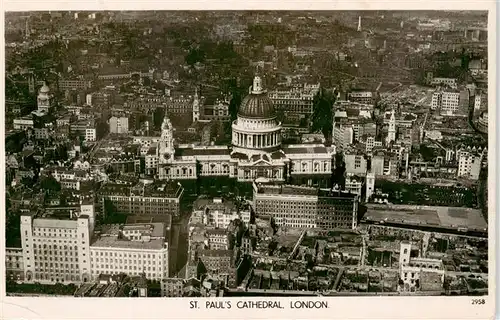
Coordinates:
149 275
120 254
148 262
42 276
55 265
55 258
110 266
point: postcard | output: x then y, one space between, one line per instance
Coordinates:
249 160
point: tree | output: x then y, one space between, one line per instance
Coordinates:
102 128
322 117
194 56
338 173
50 184
158 116
234 104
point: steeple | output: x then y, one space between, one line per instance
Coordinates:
359 24
27 31
165 148
392 128
196 106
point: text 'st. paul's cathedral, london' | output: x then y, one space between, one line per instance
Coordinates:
256 150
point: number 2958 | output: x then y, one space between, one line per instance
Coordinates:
478 301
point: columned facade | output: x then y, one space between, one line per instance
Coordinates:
256 150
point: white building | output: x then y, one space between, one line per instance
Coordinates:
219 214
482 122
90 134
118 125
57 249
218 239
391 136
451 82
365 97
412 269
370 185
448 102
23 123
133 249
355 163
296 100
288 206
256 149
354 184
44 99
196 107
343 135
469 164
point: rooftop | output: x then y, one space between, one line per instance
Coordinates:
152 236
301 149
186 152
447 217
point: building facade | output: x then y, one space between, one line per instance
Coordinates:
118 125
14 267
133 249
142 199
56 249
256 149
305 207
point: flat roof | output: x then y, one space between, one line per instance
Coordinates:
109 237
447 217
304 149
202 152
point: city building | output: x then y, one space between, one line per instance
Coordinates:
23 123
295 102
219 213
469 164
450 82
364 97
413 269
355 162
256 149
118 125
72 84
343 134
56 246
218 111
337 210
172 287
44 99
482 122
290 206
217 262
305 207
133 249
218 239
14 267
142 199
447 102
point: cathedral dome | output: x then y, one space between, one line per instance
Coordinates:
257 104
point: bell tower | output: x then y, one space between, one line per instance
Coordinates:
196 106
166 149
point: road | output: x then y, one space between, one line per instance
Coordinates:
96 148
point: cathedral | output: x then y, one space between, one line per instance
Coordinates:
256 150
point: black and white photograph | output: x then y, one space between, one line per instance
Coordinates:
311 155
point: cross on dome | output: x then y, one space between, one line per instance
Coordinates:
257 85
